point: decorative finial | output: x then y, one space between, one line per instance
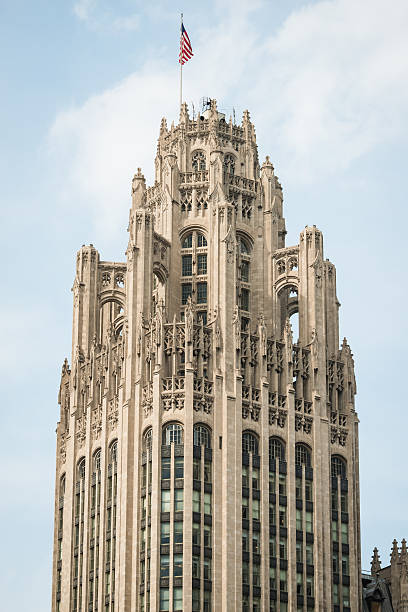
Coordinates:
394 551
267 163
139 175
375 563
163 126
65 366
184 117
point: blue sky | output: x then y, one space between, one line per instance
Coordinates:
84 86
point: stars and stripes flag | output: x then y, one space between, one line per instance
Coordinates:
186 51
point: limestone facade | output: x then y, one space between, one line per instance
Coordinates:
207 460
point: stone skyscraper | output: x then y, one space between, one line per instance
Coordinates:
207 460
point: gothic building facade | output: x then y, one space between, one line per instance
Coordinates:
207 460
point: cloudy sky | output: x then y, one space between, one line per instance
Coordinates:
84 86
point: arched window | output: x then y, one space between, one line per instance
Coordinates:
81 469
229 164
276 449
62 485
172 434
338 467
243 262
113 452
97 461
243 247
202 436
198 161
303 455
147 439
249 443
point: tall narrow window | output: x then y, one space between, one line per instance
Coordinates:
202 514
94 522
243 281
194 266
78 539
110 525
304 525
251 517
340 531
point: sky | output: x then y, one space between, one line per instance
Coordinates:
84 84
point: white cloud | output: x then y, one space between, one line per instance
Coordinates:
129 23
327 87
99 15
84 8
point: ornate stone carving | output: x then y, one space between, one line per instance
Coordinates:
80 432
318 269
113 414
230 245
96 423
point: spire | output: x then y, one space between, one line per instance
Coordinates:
163 127
404 554
375 563
184 117
65 367
138 189
394 552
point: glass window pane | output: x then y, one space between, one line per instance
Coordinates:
178 499
207 503
165 468
179 467
178 565
207 471
186 291
196 501
165 501
178 532
164 600
245 299
201 293
202 264
196 469
196 534
187 242
207 536
164 566
201 240
165 533
186 265
255 509
245 271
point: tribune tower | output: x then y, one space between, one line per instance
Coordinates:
207 448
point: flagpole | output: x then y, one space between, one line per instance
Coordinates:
181 63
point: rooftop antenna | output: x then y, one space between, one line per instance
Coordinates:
205 104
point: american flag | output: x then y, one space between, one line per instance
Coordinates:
185 47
